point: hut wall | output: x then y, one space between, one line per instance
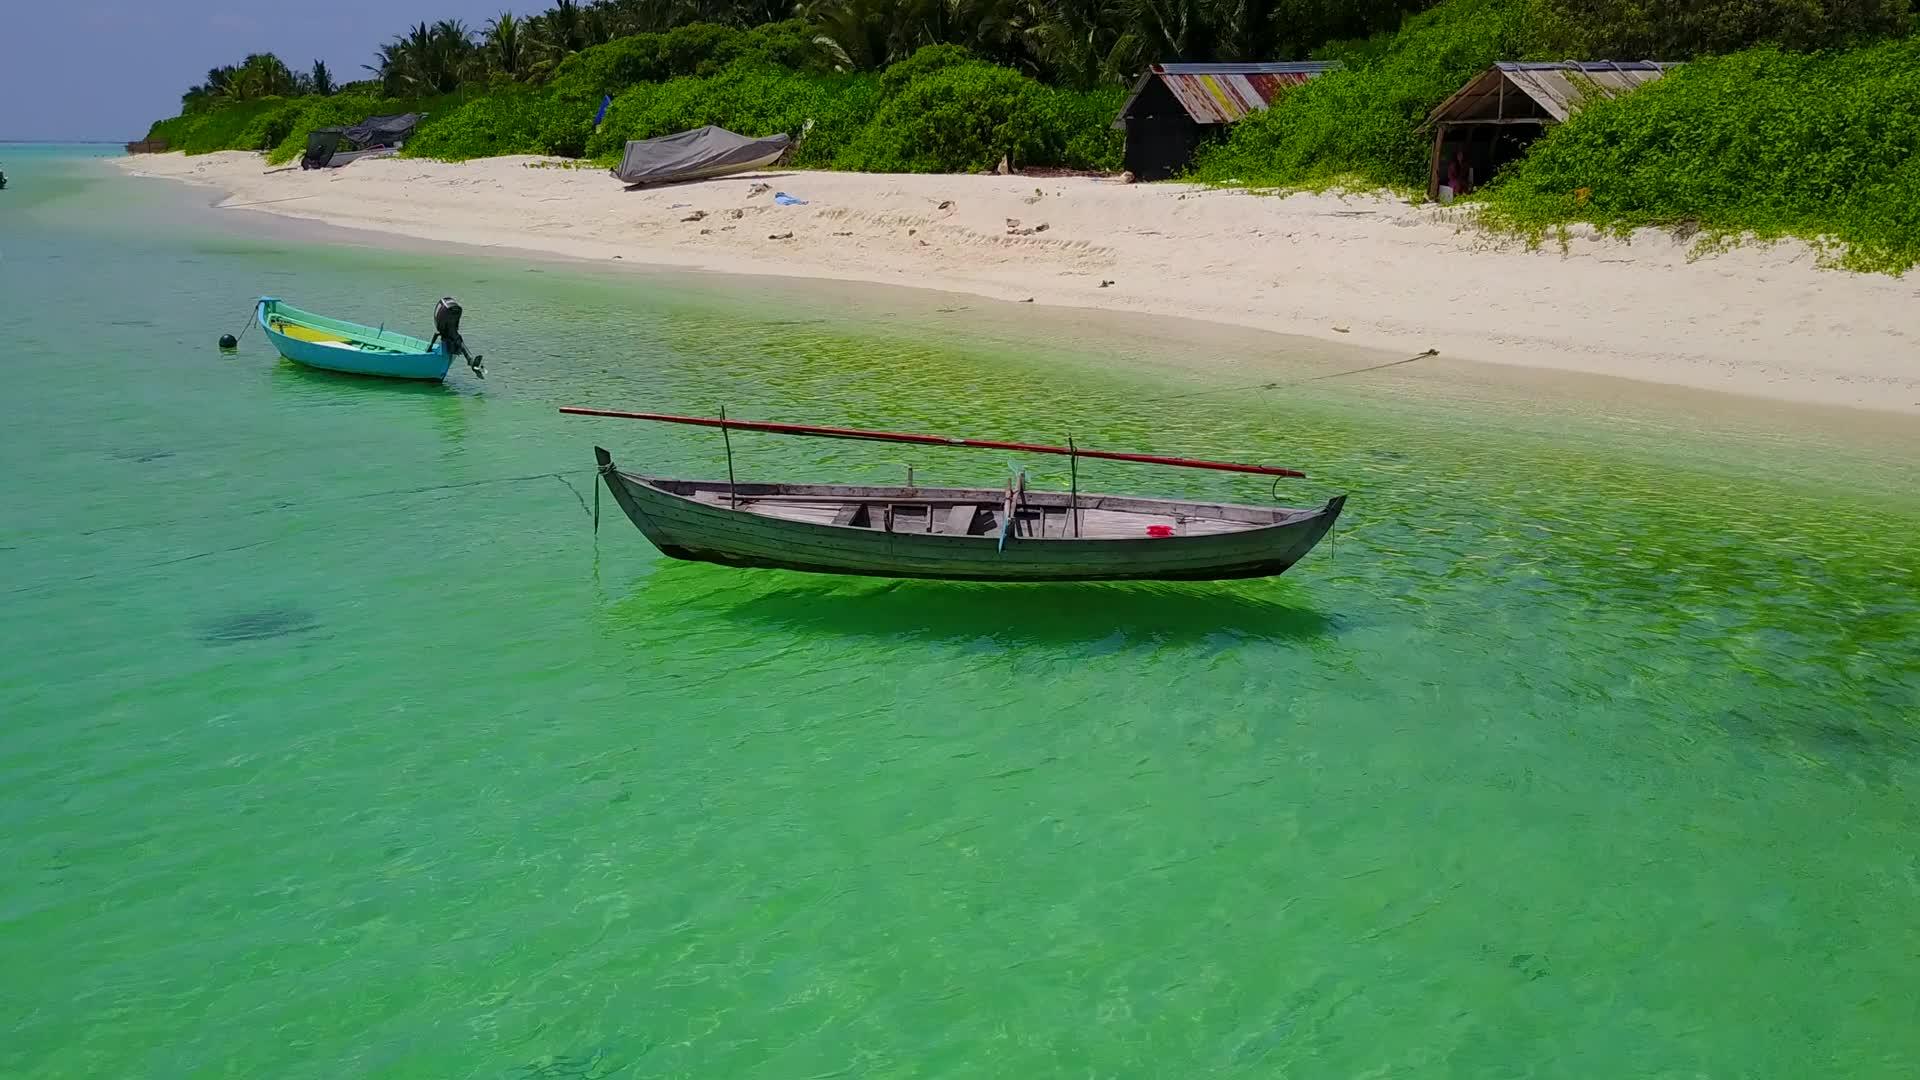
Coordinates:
1161 147
1161 138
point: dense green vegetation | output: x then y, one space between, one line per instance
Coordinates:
1823 146
939 109
1812 130
1360 125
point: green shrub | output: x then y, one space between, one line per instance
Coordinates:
695 49
1822 146
266 130
241 125
310 113
964 117
1684 29
1362 123
504 122
1087 118
750 100
305 114
925 61
318 112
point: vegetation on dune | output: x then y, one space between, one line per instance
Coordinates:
279 125
747 98
958 117
1812 131
1824 146
1361 124
1684 29
915 117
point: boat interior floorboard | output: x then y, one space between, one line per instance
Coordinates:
954 517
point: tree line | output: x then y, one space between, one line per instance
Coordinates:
1077 43
260 75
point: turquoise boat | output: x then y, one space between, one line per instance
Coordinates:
317 341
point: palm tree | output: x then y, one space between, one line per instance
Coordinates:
507 46
401 62
594 28
428 59
564 30
861 35
1170 29
450 55
319 80
259 75
209 92
758 12
1080 42
984 27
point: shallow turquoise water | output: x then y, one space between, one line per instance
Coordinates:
334 749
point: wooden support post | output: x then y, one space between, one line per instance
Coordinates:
1073 490
733 490
1433 166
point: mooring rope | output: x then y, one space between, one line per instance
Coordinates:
354 496
422 490
1282 384
581 499
232 341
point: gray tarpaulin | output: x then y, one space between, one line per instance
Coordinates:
383 130
335 146
697 155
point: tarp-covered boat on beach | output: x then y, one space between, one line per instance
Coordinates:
700 154
330 148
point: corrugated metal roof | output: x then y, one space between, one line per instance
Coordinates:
1223 93
1549 91
1276 67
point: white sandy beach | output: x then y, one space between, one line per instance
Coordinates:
1761 320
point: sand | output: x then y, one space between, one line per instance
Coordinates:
1761 319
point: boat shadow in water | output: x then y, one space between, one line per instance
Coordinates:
317 379
1046 614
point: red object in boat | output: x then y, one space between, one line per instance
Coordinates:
1160 531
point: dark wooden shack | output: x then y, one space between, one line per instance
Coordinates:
1175 108
1493 119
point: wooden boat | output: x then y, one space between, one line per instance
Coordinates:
965 534
337 345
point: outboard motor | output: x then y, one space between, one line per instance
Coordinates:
446 327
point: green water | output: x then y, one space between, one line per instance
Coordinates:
1578 753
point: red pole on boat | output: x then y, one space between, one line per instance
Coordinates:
932 440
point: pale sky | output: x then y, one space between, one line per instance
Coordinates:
105 69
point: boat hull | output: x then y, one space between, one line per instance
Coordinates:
685 528
316 341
